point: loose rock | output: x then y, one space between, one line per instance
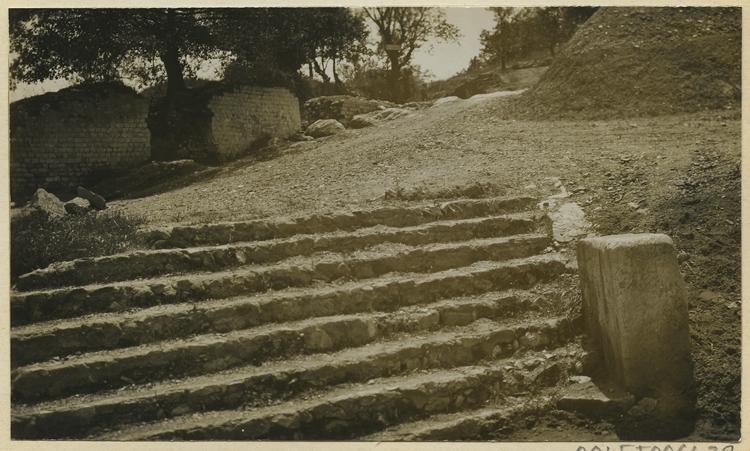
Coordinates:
301 137
78 206
445 100
361 121
96 200
580 379
47 203
324 127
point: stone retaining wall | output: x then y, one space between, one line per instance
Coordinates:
69 136
218 122
246 113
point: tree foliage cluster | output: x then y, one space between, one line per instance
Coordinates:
520 32
402 31
170 44
254 45
289 39
371 78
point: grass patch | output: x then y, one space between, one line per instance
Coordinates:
36 240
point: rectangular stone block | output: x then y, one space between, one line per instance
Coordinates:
635 307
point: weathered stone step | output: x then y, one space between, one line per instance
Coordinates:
216 352
224 233
297 272
82 416
486 423
143 264
38 342
341 414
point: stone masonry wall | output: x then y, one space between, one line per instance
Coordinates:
341 108
246 113
69 136
353 107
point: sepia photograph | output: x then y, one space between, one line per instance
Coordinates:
385 224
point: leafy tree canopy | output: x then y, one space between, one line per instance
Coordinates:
85 45
408 29
150 45
289 38
519 32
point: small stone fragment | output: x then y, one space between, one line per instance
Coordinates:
580 379
361 121
94 199
531 363
78 206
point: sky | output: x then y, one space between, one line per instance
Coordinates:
447 59
443 61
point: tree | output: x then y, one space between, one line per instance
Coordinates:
158 44
86 45
553 26
573 17
547 27
276 37
334 35
289 38
521 31
403 30
504 37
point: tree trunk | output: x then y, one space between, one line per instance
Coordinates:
394 76
336 78
171 59
321 72
175 78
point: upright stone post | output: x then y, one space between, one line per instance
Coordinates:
635 307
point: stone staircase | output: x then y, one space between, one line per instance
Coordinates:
420 322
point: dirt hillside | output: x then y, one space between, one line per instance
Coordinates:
643 62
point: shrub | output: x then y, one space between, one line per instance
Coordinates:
268 75
36 240
370 79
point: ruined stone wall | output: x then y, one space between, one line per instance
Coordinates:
243 114
67 137
341 108
352 107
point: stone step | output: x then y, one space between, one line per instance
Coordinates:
84 415
40 306
579 395
143 264
215 352
334 326
339 414
396 216
486 423
38 342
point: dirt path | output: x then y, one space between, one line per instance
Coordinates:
678 175
453 144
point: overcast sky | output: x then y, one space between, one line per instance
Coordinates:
448 59
445 59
